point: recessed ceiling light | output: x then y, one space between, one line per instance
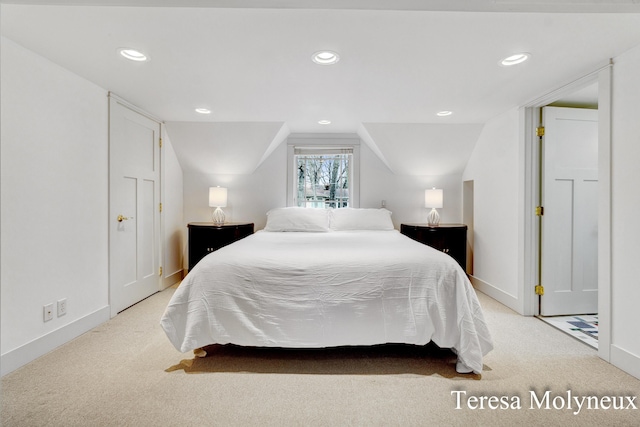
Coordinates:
133 54
203 111
444 113
518 58
325 122
325 57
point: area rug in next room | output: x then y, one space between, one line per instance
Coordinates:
583 327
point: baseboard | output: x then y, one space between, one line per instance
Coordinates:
172 279
497 294
628 362
30 351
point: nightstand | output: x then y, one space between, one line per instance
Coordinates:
206 237
448 238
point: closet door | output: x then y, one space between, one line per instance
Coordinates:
134 206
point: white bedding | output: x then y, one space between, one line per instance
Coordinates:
302 289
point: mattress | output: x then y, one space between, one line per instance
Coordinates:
305 289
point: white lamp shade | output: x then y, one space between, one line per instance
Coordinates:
217 197
433 198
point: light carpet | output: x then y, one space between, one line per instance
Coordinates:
126 373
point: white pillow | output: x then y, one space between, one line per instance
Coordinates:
297 219
343 219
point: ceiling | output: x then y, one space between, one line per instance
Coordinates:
400 64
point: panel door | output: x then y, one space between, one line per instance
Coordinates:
570 220
134 196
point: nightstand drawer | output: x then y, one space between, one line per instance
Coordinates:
205 238
448 238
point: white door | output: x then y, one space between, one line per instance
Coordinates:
570 220
134 201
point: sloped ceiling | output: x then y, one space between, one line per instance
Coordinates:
225 148
401 62
435 149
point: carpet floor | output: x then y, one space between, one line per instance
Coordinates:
126 373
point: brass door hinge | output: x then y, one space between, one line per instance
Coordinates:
539 210
539 290
540 131
160 207
160 142
160 273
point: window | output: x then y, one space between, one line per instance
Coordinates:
321 174
323 177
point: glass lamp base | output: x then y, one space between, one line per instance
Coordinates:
218 216
434 218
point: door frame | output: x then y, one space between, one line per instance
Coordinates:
530 270
160 238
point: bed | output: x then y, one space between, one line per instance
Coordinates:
316 278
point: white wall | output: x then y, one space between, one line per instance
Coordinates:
250 196
495 168
54 204
625 205
172 214
404 194
54 201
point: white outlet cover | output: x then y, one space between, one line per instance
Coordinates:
62 307
48 312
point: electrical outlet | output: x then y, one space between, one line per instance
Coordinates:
62 307
48 312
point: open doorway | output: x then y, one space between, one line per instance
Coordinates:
569 213
598 84
568 223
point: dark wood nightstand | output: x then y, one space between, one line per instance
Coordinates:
206 237
448 238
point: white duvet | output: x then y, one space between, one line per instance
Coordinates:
288 289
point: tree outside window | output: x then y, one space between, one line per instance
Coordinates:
323 180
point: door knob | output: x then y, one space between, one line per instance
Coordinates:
123 218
